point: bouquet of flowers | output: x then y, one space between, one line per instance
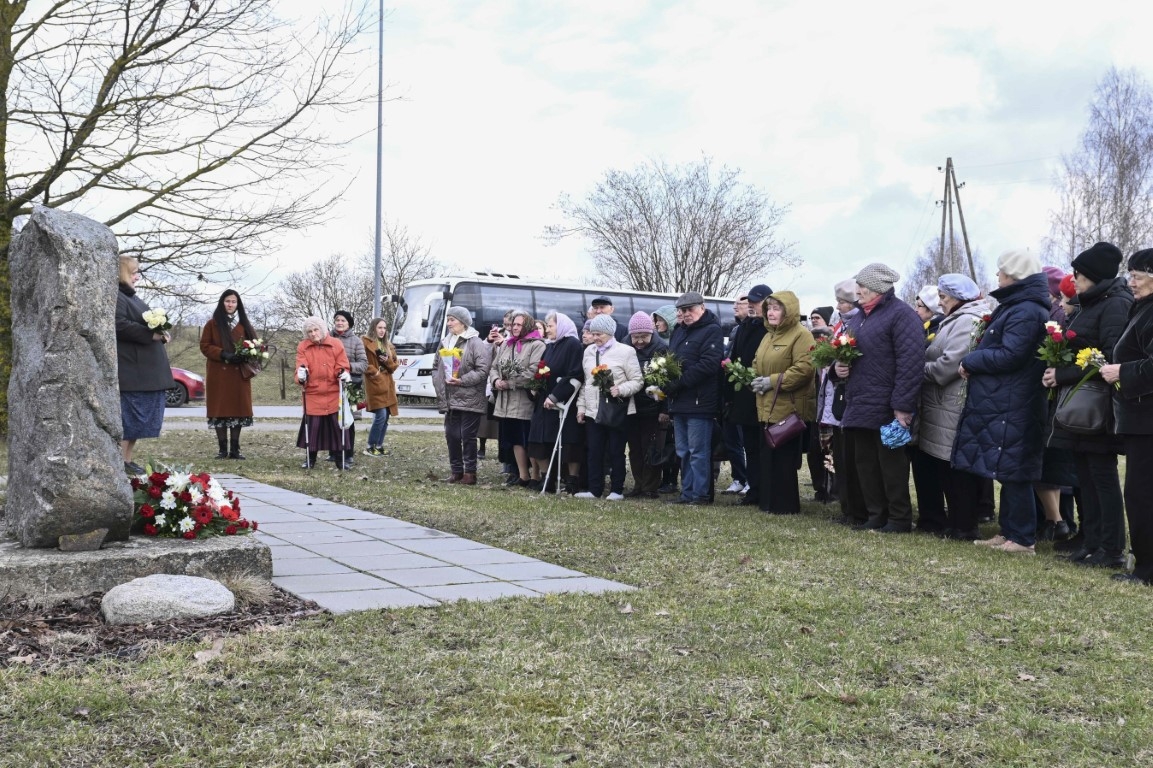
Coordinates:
739 374
1054 350
186 505
540 378
450 359
662 369
1089 360
357 400
839 349
603 379
253 351
157 320
975 337
508 368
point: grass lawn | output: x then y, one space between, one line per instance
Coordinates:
753 640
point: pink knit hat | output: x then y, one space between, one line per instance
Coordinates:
641 323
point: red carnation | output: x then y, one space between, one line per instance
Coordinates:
158 478
146 510
202 515
135 483
185 496
149 529
243 523
230 530
155 492
228 513
189 535
254 525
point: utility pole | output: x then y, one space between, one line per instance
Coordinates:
376 265
953 193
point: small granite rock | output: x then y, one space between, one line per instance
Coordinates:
165 596
83 542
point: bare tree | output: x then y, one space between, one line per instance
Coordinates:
1106 185
930 265
677 228
334 283
403 258
182 126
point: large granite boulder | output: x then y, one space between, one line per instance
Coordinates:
65 473
163 597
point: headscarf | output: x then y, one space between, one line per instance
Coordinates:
565 328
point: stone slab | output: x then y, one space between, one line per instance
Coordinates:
346 602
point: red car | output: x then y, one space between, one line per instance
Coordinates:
189 386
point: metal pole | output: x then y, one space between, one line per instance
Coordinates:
944 210
379 132
964 231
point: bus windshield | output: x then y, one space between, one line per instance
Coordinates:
419 321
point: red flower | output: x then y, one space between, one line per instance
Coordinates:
228 513
158 478
202 515
190 534
135 483
852 341
986 318
1070 335
243 523
230 530
146 510
254 524
185 496
149 529
155 492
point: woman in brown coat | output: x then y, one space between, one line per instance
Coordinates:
379 387
227 379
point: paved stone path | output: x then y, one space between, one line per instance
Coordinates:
347 559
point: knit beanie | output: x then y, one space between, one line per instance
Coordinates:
1018 264
1068 287
1054 275
824 312
1142 261
346 315
928 297
1098 263
846 290
640 322
603 324
461 314
877 277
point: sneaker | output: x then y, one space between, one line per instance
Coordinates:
370 451
584 495
996 541
1014 548
615 497
736 487
745 489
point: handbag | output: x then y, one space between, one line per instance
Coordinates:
611 411
661 450
1087 411
787 429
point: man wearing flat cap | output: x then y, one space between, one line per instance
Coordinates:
603 305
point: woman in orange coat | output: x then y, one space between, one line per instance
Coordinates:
321 365
227 378
379 388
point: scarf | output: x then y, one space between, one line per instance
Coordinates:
607 345
520 340
868 306
565 328
449 341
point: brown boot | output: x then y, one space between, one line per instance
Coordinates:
469 478
455 478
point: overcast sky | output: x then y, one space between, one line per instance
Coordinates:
843 111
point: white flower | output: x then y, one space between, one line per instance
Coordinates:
160 521
177 481
196 494
215 491
168 500
187 524
1052 325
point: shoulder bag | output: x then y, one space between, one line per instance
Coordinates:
1087 411
787 429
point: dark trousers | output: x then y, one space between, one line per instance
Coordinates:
780 491
605 444
754 442
642 430
883 474
735 448
927 479
986 505
848 489
460 428
962 495
1139 501
823 482
1018 513
1102 510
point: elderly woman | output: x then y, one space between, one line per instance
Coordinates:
784 385
882 386
928 309
342 322
942 395
459 378
830 409
513 366
1132 369
142 366
379 387
562 356
1104 300
644 427
1001 432
664 319
228 382
321 366
607 441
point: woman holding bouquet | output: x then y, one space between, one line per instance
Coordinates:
644 427
562 359
784 385
321 366
342 323
379 387
227 377
513 367
459 378
142 366
605 441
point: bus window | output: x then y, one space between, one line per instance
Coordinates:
622 305
650 304
495 300
570 303
419 322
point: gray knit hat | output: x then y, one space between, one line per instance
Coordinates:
461 314
603 324
846 290
877 277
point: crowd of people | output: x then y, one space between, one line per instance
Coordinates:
1039 385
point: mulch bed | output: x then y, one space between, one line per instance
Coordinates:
73 631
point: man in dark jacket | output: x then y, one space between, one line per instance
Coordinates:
742 403
695 399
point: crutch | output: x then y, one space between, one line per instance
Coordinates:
576 385
304 402
343 422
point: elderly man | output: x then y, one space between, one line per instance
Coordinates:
695 399
603 305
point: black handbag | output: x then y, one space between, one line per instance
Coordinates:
611 411
661 450
1088 411
787 429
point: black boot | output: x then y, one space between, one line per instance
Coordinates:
570 484
222 441
234 444
310 462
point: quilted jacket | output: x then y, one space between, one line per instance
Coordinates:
1002 426
784 355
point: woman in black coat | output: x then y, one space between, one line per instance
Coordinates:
1103 300
1132 367
563 356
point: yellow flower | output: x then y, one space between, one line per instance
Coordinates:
1090 357
453 352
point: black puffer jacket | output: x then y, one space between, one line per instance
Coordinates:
742 403
699 347
1133 403
1100 321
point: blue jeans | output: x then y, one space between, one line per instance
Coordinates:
1018 513
694 436
379 428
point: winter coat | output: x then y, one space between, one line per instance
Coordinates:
354 351
742 403
644 403
1099 322
942 393
785 356
699 348
1001 432
379 386
515 403
469 395
141 361
228 392
1133 403
622 361
564 357
325 361
887 377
